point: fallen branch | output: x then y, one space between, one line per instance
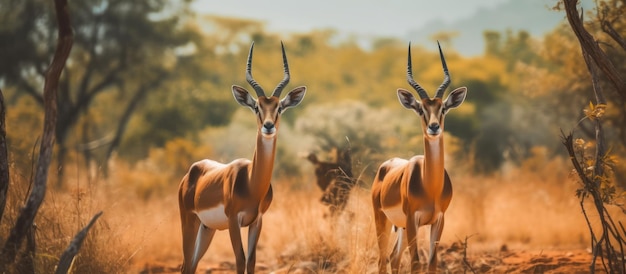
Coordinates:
70 253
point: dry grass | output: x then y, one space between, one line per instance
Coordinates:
525 208
60 217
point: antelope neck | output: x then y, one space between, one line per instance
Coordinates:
262 165
433 169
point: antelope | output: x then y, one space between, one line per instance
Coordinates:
216 196
325 172
412 193
335 179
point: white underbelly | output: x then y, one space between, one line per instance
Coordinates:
395 215
214 218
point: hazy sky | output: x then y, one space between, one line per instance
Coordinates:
364 17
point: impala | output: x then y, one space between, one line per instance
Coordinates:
335 179
416 192
215 196
325 172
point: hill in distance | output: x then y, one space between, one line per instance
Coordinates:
534 16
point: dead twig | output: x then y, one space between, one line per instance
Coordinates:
70 253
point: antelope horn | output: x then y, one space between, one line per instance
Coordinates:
279 88
446 80
254 84
409 77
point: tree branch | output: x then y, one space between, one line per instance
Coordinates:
568 142
600 100
139 95
588 44
607 26
86 94
608 29
91 66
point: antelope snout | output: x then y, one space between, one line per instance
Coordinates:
433 129
268 128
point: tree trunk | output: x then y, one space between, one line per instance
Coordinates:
589 45
27 214
4 159
602 246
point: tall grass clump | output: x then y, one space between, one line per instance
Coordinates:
304 239
62 214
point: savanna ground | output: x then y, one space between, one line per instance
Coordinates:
524 220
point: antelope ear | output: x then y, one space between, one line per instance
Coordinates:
408 100
455 98
293 98
243 97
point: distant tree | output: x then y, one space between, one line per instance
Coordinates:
124 46
371 134
493 43
445 38
514 48
486 134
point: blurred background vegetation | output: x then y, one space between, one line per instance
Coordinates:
147 91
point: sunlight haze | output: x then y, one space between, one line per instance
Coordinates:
369 17
416 21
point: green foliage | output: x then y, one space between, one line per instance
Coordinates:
513 49
483 123
287 165
188 63
21 122
160 172
236 140
121 46
493 141
179 114
372 134
18 18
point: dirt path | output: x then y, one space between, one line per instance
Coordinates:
521 261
